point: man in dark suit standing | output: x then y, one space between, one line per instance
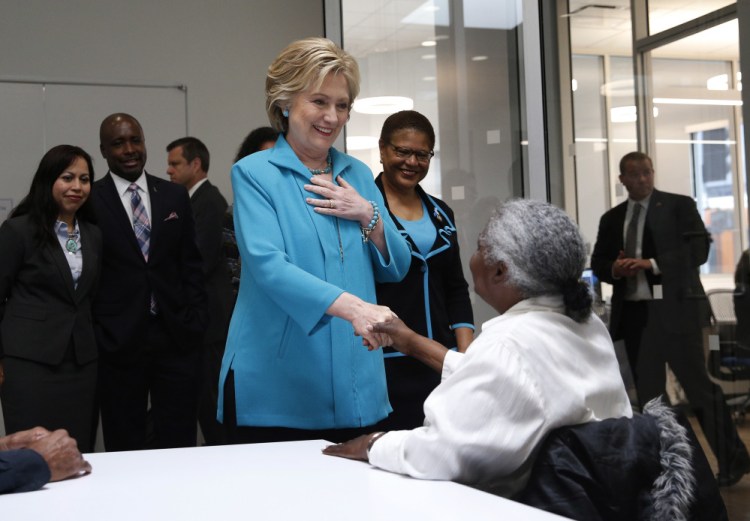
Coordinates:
150 313
187 164
650 248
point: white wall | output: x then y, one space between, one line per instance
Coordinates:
220 50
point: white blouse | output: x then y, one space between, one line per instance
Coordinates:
531 370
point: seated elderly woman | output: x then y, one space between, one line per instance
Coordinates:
545 362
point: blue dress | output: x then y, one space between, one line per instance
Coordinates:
294 365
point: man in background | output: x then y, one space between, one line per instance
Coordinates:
150 313
650 248
187 164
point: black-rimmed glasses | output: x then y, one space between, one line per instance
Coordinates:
406 153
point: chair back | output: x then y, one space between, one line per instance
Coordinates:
722 306
623 469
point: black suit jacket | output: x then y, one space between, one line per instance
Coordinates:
675 236
41 310
209 207
173 273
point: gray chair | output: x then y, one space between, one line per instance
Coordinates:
729 359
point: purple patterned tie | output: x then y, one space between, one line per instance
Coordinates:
141 226
142 229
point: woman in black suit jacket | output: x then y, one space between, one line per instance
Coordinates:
433 298
49 269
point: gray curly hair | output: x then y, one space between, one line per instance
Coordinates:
542 250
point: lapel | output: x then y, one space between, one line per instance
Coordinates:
90 254
54 253
111 199
440 220
655 218
159 210
619 213
284 158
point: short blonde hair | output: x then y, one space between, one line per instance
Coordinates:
302 65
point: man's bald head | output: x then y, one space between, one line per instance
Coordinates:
122 145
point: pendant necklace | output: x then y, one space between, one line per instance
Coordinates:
72 243
326 170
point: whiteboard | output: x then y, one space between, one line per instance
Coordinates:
37 115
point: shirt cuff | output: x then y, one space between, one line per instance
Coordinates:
451 362
655 267
385 452
22 470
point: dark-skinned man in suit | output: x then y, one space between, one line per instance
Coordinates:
187 164
650 248
151 312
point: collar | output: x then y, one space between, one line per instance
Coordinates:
59 226
548 303
643 202
122 184
283 156
437 215
196 186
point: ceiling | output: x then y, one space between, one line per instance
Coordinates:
601 27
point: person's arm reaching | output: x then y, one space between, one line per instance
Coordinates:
408 342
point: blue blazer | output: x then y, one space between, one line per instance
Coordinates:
294 365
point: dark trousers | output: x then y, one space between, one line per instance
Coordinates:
410 382
237 434
213 431
650 345
52 396
157 369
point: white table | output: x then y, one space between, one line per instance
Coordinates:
254 482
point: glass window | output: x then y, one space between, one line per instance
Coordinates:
457 63
697 118
665 14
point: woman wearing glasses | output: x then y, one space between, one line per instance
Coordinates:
433 298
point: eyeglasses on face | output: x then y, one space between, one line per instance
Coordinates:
406 153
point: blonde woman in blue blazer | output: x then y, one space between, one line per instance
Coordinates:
313 241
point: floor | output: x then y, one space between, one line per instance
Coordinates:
736 498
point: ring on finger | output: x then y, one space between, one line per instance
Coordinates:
331 204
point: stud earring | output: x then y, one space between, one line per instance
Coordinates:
285 113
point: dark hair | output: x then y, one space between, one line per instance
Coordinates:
407 119
633 156
192 147
39 204
255 140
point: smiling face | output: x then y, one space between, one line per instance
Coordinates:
71 189
123 146
402 169
316 117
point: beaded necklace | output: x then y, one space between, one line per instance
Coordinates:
326 170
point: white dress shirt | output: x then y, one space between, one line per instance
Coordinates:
122 185
74 258
532 369
642 291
